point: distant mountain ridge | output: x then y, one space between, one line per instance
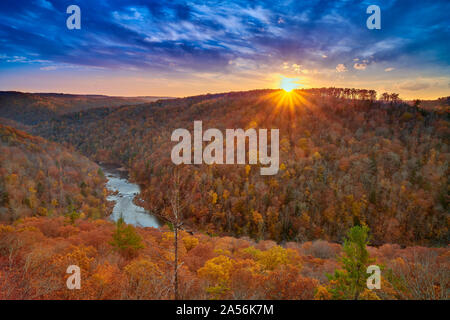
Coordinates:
32 108
68 95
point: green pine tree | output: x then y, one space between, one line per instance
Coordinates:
125 239
349 282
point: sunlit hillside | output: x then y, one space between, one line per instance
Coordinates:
344 158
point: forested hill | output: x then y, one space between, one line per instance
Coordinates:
41 178
31 108
345 158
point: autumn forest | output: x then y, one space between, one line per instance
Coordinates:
363 180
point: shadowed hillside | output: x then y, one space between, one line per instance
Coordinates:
31 108
41 178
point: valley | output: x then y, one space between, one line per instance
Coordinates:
344 163
341 160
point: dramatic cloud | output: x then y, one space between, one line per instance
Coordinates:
175 39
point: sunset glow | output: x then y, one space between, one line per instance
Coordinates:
178 49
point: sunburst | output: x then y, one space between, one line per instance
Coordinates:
289 84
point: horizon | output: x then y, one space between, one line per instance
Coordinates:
134 48
202 94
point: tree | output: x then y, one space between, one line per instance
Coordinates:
363 94
394 98
372 95
125 239
178 202
350 282
217 272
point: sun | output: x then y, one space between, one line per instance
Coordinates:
289 84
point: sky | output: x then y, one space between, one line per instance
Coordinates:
178 48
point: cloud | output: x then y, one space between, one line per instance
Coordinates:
415 86
49 68
179 37
21 59
360 66
296 67
45 4
341 68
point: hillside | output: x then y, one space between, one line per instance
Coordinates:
345 159
439 104
31 108
39 250
41 178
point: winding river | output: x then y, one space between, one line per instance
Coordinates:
123 198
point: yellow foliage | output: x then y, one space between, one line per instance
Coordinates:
139 270
213 198
247 170
273 183
217 270
369 295
42 211
304 218
190 242
257 217
322 293
303 143
222 252
80 256
6 229
272 258
168 237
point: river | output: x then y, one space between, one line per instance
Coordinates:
123 198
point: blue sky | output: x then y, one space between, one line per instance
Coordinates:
182 48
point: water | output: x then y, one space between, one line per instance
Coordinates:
126 192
